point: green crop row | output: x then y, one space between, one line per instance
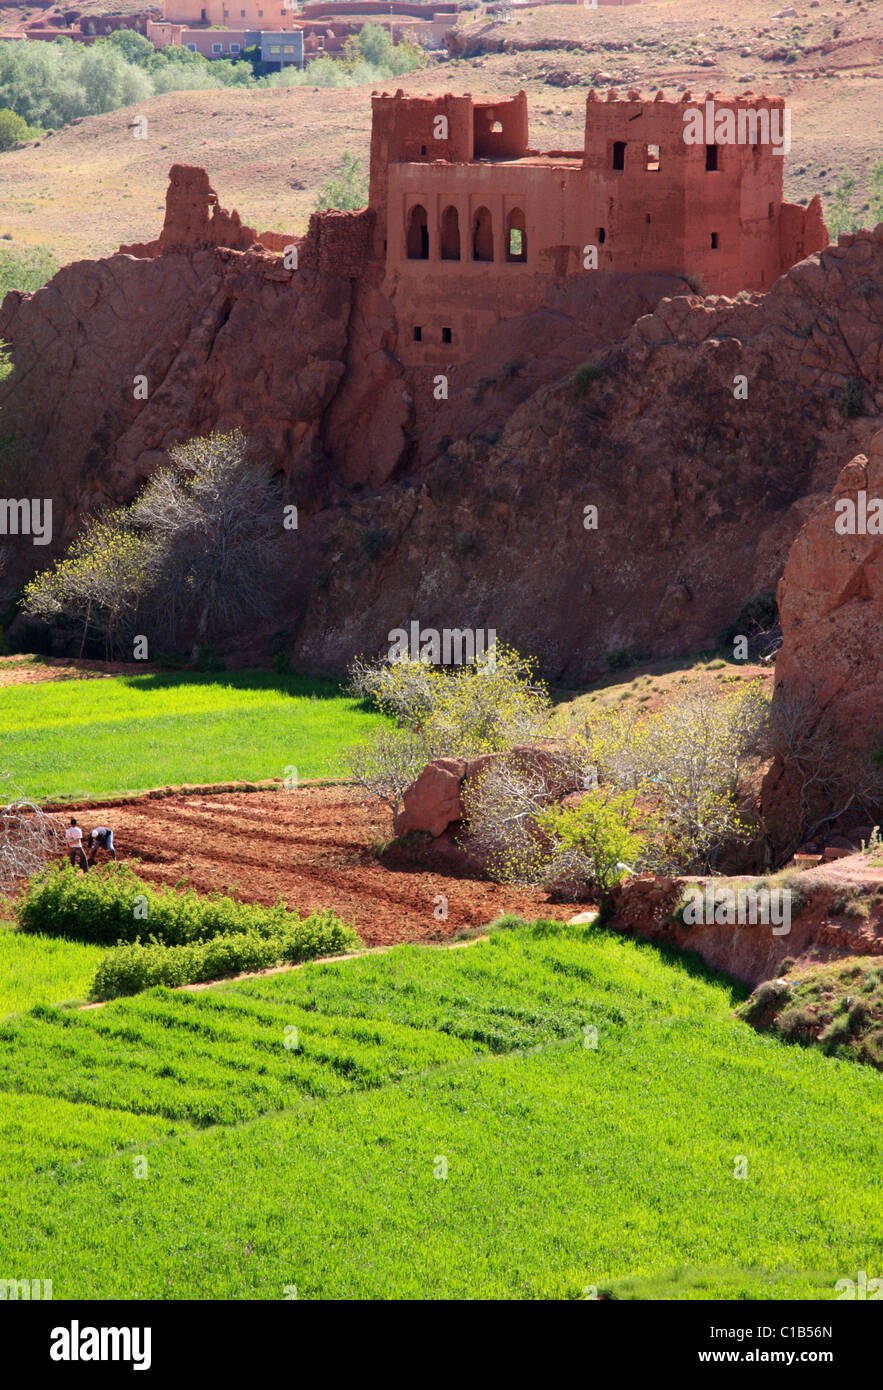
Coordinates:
140 965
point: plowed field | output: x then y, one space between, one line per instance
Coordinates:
312 847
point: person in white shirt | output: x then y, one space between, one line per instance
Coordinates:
73 838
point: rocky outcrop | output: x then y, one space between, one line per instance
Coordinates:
195 220
831 609
816 929
699 493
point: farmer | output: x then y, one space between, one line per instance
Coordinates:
73 838
102 835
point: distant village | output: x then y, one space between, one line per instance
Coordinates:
284 32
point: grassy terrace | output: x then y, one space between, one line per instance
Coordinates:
129 733
319 1165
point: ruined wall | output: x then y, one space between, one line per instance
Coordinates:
338 242
195 220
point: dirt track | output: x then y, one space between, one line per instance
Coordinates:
312 847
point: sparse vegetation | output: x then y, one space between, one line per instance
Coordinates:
837 1007
583 378
347 189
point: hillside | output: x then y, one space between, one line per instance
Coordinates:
90 187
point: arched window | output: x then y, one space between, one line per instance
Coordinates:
450 235
482 236
418 234
516 236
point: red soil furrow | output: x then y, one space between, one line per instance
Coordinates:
312 848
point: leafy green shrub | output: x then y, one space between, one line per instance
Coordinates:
111 904
594 845
27 269
758 614
347 189
207 659
14 130
618 659
128 969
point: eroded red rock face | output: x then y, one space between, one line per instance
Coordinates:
831 606
463 506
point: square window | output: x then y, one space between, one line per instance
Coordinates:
234 48
418 334
446 335
216 48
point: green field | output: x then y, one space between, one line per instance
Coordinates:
43 969
129 733
321 1167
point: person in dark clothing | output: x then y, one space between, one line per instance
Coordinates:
101 836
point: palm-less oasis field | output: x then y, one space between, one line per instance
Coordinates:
441 715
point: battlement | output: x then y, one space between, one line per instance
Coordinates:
686 186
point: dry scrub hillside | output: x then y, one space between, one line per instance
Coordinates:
91 186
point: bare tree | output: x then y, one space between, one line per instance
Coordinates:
28 838
386 765
830 779
502 805
215 518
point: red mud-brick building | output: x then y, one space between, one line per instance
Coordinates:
467 225
473 224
